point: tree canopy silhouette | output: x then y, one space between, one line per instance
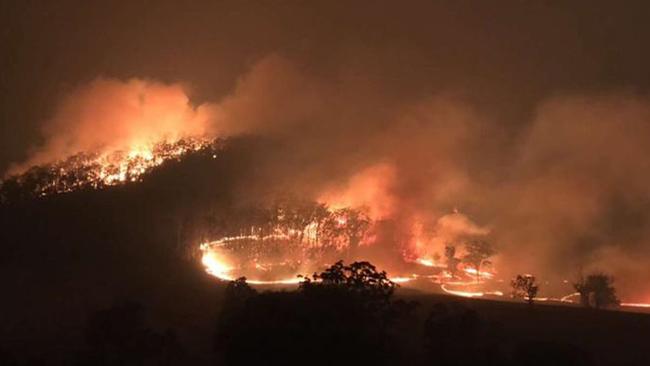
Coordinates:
359 277
525 287
597 290
478 252
342 315
452 261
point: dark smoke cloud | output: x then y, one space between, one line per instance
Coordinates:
564 191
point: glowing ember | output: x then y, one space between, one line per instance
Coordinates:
481 274
635 304
401 279
568 297
470 293
216 266
426 262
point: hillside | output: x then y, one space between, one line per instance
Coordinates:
67 256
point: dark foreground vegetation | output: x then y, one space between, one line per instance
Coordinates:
353 316
348 314
111 278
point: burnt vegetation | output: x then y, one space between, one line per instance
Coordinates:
111 277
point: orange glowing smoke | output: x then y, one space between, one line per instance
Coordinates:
108 116
106 168
370 189
110 132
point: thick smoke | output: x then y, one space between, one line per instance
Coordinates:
577 198
110 115
565 193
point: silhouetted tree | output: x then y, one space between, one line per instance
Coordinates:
478 252
238 291
581 287
361 277
371 289
452 261
355 226
319 215
597 290
525 287
342 315
343 230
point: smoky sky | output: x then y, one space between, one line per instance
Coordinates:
531 118
506 55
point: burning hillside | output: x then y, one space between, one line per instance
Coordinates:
299 238
263 182
421 174
98 170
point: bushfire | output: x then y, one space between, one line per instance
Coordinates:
104 168
452 255
304 239
292 246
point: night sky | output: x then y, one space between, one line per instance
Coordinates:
506 55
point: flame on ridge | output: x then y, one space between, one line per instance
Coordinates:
106 168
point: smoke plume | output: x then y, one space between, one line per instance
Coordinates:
563 192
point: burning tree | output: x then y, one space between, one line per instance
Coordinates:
355 226
597 290
343 229
290 233
96 170
478 252
525 286
299 215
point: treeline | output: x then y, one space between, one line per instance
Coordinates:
96 171
348 314
596 290
290 231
